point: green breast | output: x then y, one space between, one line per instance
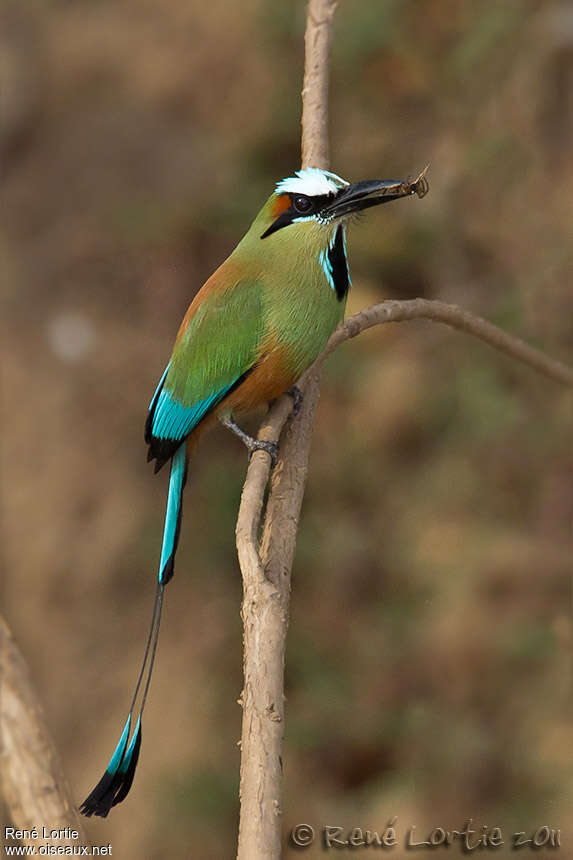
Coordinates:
305 316
301 304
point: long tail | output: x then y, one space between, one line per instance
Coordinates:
114 785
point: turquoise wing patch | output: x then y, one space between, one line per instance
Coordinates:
172 420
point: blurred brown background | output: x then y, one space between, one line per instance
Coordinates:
429 645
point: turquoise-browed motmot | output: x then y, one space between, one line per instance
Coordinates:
250 332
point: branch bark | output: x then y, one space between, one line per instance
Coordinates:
34 786
266 568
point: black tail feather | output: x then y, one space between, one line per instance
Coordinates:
100 800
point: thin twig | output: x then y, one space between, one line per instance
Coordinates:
34 787
456 317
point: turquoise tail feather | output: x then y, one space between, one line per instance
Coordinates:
173 514
116 782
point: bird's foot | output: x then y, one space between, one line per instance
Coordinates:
271 448
297 399
251 444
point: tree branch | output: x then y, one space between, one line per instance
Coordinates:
34 787
266 570
314 121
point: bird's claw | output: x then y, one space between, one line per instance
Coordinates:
297 399
271 448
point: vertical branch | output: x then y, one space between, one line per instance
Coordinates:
314 145
34 787
289 479
266 568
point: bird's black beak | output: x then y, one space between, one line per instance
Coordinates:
372 192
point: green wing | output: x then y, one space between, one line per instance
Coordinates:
220 345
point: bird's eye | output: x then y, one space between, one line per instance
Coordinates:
301 203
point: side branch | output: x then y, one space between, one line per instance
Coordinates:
456 317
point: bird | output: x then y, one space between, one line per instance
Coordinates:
249 334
